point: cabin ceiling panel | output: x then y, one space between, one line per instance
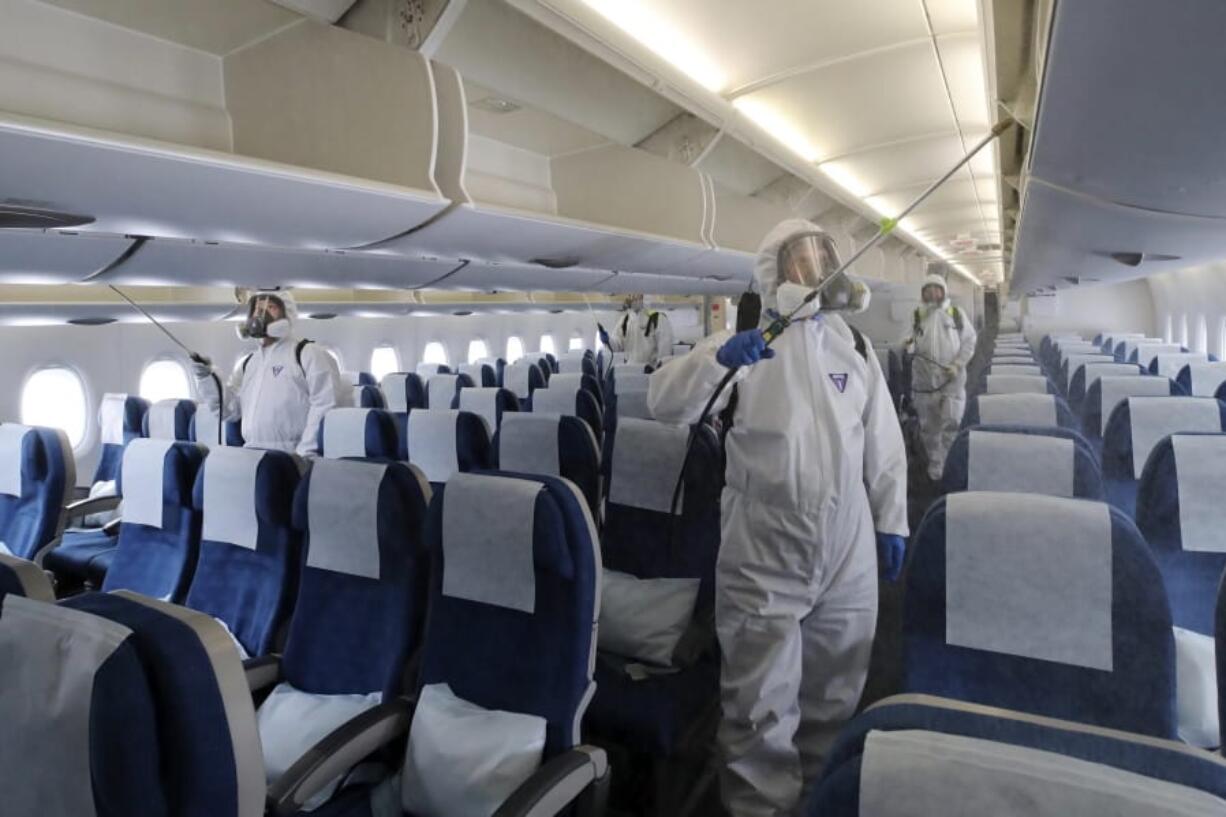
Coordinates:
38 257
625 282
526 127
902 164
157 189
739 168
954 194
215 26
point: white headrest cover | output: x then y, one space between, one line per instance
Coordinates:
440 389
559 401
1015 368
516 377
647 459
343 517
631 382
162 419
229 496
351 378
483 403
393 391
1117 389
1095 371
427 370
432 443
1018 409
488 536
529 444
1016 384
110 418
12 437
1021 569
1169 364
1202 514
345 432
144 466
1024 463
1155 417
1206 377
1146 352
633 404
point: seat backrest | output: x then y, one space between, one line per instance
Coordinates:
577 363
37 476
1086 375
522 378
1042 604
204 428
552 446
1202 379
370 397
159 537
1138 424
1181 514
997 367
626 381
1169 364
24 578
1072 363
249 550
428 370
1036 410
1017 384
170 419
570 400
1125 347
579 381
482 374
487 403
404 391
441 389
917 754
443 442
358 432
121 418
1144 353
513 608
1052 461
211 760
633 404
499 366
643 460
362 591
1109 391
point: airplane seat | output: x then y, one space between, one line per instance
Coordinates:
1181 515
249 550
170 419
358 433
1123 351
553 446
498 364
368 397
522 378
37 475
442 389
444 442
20 577
204 428
1037 410
351 378
210 758
1170 364
582 381
159 534
1017 384
1085 375
571 400
1008 366
506 668
1108 391
1137 425
578 362
121 419
482 374
629 379
1145 353
1201 378
1042 604
359 616
80 714
551 361
488 403
631 403
657 675
428 370
1023 459
1071 363
404 391
918 754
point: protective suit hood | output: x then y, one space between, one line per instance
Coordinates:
766 268
783 294
935 280
277 329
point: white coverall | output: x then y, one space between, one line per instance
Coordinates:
630 337
940 398
816 464
281 404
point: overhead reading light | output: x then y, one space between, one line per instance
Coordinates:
20 217
645 24
782 129
322 316
556 263
98 321
1135 259
495 105
462 313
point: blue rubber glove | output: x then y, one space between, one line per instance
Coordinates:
891 550
744 349
604 336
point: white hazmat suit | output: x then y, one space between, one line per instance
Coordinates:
279 401
943 342
816 464
643 336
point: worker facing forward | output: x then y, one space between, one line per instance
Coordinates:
283 389
643 336
815 506
942 343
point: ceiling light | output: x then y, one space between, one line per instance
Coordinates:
844 179
495 105
778 126
665 40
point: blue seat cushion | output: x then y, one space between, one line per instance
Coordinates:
654 714
73 558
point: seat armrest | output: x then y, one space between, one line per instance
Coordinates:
112 528
336 753
262 671
579 777
97 504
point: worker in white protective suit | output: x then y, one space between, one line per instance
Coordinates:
643 336
816 475
942 343
283 389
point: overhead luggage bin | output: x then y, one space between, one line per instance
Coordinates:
37 257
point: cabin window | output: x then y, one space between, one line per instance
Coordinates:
1183 330
575 344
435 353
547 345
515 349
383 361
165 380
55 396
1169 335
477 350
1201 341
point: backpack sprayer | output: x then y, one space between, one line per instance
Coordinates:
777 327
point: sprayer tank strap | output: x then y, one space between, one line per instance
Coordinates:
297 356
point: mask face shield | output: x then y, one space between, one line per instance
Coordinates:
634 303
932 295
807 259
264 313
